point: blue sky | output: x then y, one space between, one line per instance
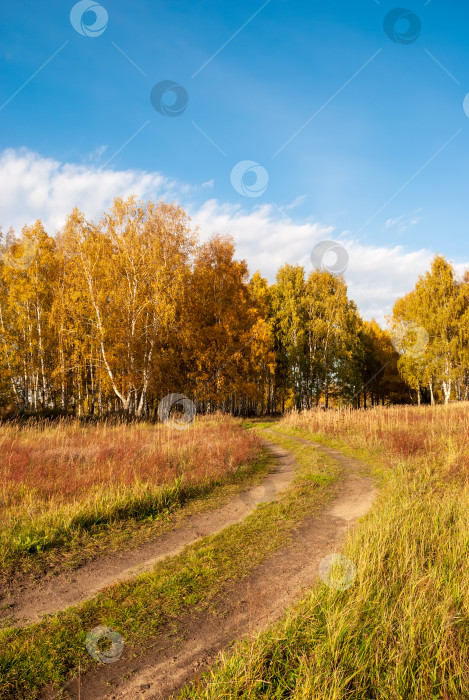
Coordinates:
379 160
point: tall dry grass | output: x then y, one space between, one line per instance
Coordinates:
436 436
57 480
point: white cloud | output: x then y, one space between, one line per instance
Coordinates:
264 237
376 275
32 187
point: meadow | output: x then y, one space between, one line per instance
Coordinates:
155 605
399 631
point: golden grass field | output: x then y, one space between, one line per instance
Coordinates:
400 631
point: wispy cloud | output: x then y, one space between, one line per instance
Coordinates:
96 155
298 201
403 222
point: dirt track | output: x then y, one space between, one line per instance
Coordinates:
247 606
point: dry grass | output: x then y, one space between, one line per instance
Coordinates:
437 436
61 479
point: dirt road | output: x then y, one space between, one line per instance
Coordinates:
247 606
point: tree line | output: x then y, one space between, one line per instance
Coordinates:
112 315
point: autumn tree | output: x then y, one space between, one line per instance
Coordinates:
432 321
114 314
131 269
227 336
288 325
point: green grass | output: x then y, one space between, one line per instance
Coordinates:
49 652
401 631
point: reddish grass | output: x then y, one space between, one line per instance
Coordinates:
60 481
68 459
